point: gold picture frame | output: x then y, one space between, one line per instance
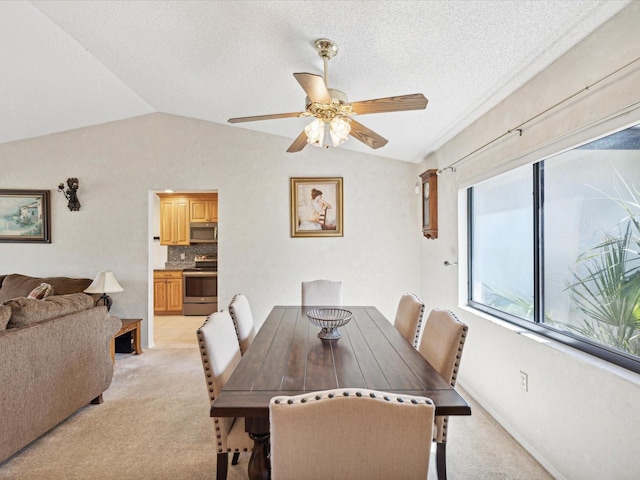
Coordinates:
316 207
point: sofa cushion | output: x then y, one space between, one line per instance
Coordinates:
41 292
25 311
5 315
16 285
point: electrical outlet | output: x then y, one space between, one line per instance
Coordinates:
524 381
182 256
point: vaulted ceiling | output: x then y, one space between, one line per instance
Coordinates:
70 64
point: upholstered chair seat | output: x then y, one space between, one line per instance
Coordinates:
240 311
350 433
322 293
408 319
220 355
441 345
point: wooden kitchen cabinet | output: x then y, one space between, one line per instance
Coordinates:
174 220
167 292
203 209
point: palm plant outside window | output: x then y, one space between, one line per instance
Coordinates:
555 247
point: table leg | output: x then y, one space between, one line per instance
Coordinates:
258 430
136 340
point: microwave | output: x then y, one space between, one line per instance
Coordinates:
203 233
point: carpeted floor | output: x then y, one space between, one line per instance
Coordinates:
154 424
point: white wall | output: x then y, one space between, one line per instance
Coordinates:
581 416
157 252
120 163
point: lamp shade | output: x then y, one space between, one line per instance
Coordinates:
105 282
339 130
315 132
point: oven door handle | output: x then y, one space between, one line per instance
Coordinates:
199 274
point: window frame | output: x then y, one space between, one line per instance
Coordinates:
583 344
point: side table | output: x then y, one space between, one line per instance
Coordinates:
128 325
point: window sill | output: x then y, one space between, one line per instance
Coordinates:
576 354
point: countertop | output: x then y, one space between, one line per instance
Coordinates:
175 266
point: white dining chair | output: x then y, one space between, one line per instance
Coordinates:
322 293
240 311
441 345
220 354
350 433
408 319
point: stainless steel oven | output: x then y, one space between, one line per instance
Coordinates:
200 287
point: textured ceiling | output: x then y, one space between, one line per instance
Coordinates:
69 64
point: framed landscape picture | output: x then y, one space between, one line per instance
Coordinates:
316 207
24 216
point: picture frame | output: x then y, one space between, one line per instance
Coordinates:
25 216
316 207
430 203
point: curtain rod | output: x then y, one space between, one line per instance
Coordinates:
519 128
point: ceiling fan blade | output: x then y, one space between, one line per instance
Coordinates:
417 101
265 117
366 136
299 143
314 87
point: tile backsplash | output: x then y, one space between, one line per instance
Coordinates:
174 254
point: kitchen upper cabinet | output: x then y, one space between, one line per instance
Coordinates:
167 293
174 220
203 209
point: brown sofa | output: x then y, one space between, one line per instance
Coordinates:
54 356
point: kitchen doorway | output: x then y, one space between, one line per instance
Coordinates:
172 328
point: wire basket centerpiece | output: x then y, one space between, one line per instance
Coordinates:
329 319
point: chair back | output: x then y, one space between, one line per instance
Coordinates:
409 317
243 321
441 344
220 355
219 351
350 433
322 293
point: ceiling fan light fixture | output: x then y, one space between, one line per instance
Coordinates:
315 132
339 130
331 106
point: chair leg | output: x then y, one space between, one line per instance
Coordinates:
234 460
441 460
222 462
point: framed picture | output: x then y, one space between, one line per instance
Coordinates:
316 207
24 216
430 203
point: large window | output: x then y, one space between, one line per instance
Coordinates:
555 247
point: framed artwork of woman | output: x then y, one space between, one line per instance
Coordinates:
316 207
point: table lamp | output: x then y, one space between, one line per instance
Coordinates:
105 282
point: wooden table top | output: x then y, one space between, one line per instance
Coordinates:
287 358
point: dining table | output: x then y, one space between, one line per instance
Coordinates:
287 357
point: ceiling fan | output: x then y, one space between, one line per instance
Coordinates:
330 107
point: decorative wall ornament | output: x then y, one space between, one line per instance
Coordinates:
70 194
430 203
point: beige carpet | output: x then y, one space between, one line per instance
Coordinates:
154 424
